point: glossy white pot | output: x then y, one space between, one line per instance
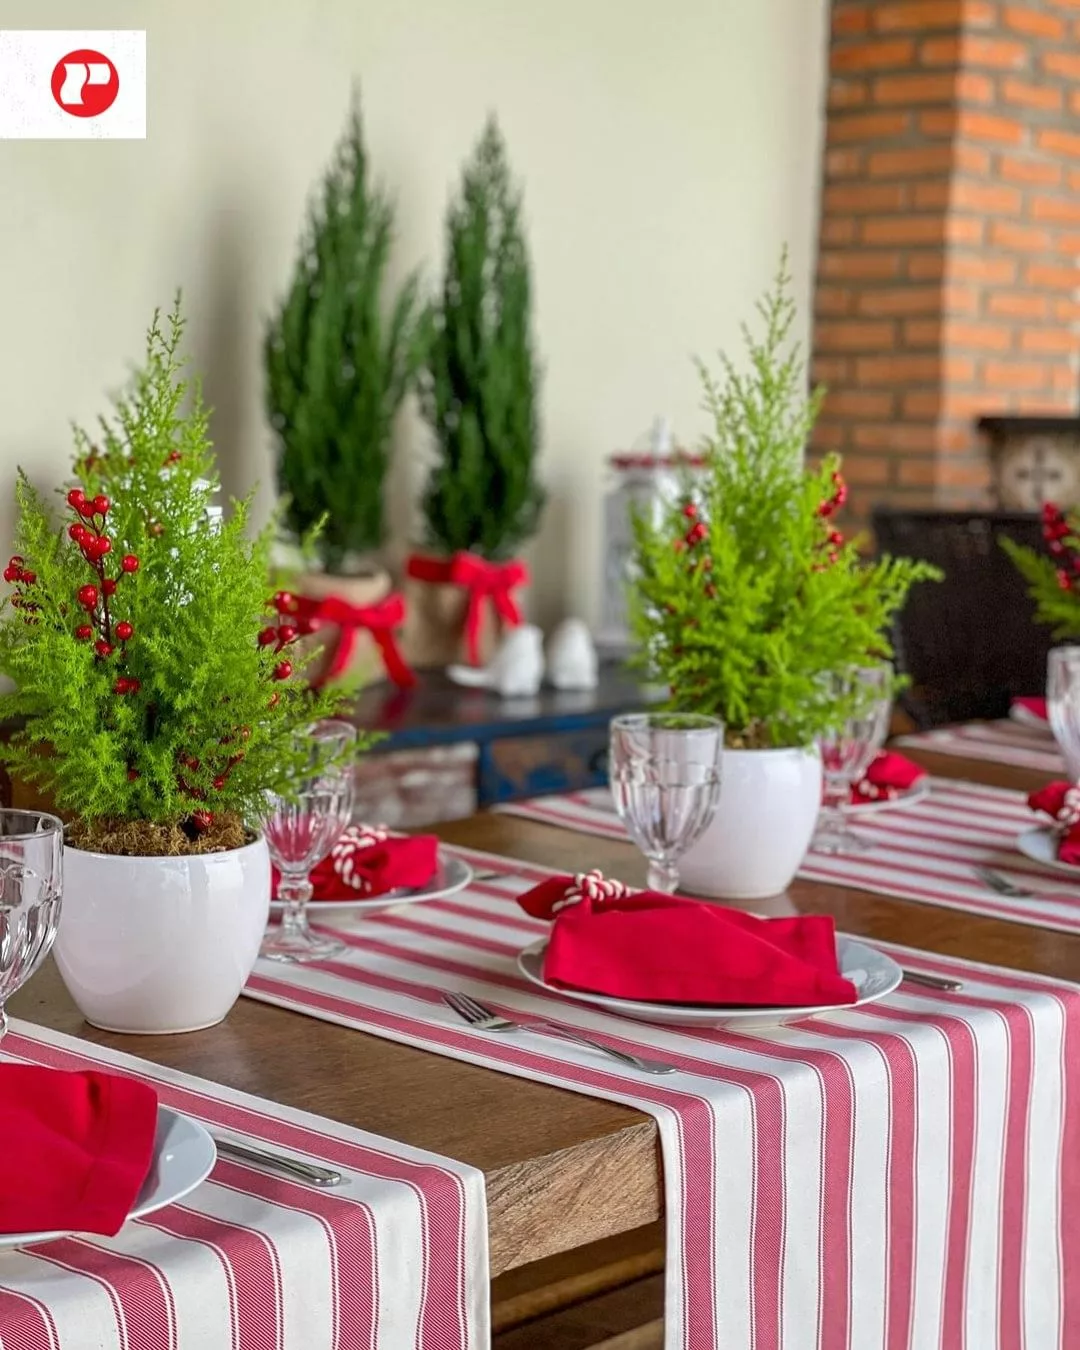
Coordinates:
769 802
152 945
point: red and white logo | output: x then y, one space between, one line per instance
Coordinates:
85 83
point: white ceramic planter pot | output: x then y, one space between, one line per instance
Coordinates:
151 945
769 802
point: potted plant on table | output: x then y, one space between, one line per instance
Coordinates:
341 355
745 598
159 707
479 395
1054 581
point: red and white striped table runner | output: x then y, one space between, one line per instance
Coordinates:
394 1259
1002 742
925 852
905 1176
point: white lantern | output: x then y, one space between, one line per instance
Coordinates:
646 479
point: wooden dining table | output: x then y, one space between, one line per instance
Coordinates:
574 1184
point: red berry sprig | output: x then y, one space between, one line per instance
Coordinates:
95 545
832 504
16 573
1058 533
833 540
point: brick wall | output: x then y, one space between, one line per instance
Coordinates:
949 263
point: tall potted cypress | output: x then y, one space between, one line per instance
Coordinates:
479 394
341 353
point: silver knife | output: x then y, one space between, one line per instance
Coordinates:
931 981
318 1176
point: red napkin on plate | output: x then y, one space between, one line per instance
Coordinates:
1035 706
368 861
1060 801
662 949
77 1148
888 776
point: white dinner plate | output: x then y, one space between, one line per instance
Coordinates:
452 875
1026 718
871 972
915 793
184 1156
1040 844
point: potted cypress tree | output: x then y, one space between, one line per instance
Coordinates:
341 353
745 597
479 394
159 706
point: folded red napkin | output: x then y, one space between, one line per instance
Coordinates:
1061 802
888 776
368 861
77 1148
663 949
1035 706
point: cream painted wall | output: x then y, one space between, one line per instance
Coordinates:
668 150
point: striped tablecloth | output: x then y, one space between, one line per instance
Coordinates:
903 1176
923 852
1003 742
394 1259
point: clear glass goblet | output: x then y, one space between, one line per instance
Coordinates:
848 750
31 884
664 770
1063 704
300 832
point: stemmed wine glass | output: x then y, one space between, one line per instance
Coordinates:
1063 704
31 883
664 770
301 831
848 750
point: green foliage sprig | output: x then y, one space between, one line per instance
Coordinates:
479 389
745 598
340 359
150 700
1054 582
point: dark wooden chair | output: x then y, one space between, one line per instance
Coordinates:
969 643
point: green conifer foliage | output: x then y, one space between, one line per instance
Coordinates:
340 358
744 598
480 388
149 693
1053 583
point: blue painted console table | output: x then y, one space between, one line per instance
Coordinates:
555 742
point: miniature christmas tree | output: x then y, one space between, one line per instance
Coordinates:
745 595
479 389
158 698
340 360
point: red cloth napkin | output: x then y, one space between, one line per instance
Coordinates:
1060 801
77 1148
663 949
368 861
1035 706
888 776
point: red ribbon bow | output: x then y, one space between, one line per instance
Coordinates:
483 580
379 620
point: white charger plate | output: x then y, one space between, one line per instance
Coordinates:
184 1156
873 974
452 875
1040 844
1026 718
915 793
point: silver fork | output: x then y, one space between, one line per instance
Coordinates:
487 1019
1001 884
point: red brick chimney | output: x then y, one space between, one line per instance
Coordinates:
949 264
